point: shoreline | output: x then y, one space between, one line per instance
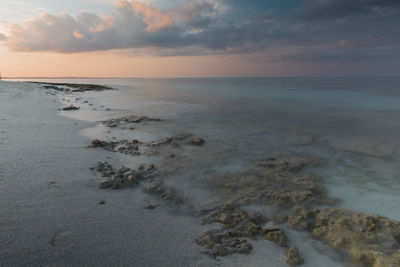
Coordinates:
240 226
51 214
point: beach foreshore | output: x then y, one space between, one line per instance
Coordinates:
53 214
109 198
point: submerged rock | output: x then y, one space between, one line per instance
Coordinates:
197 142
275 183
292 256
165 192
127 120
173 139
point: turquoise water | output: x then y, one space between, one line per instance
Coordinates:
353 123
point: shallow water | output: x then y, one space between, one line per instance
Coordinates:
353 123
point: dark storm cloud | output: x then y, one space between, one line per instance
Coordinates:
329 9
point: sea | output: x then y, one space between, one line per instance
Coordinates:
353 123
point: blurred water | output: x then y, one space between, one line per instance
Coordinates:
353 123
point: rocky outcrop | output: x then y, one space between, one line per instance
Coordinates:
170 140
112 123
132 147
223 244
275 235
123 146
75 87
116 178
371 240
292 256
277 182
237 225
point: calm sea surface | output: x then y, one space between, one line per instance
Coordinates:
352 123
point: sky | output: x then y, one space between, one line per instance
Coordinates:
199 38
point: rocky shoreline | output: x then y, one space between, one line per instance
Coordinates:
281 181
72 87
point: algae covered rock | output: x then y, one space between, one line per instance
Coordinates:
370 240
298 223
275 235
277 182
292 256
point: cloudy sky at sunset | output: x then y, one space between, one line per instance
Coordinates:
180 38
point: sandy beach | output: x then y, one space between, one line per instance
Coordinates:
50 212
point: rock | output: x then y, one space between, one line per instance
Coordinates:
175 145
302 211
128 119
228 207
243 248
226 219
170 140
105 184
280 218
197 142
165 192
275 186
116 183
298 223
73 86
257 218
131 178
292 256
52 183
275 235
150 207
71 108
219 250
290 163
223 244
151 168
370 240
209 241
123 146
102 202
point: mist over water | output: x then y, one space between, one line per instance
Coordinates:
352 123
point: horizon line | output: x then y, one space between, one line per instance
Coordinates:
194 77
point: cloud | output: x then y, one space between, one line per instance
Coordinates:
317 30
328 9
134 25
2 37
